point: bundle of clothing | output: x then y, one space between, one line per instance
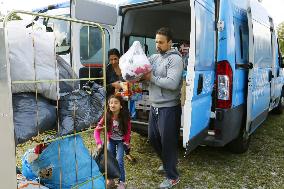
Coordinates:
32 58
35 70
134 63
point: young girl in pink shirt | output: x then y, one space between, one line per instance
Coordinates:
118 132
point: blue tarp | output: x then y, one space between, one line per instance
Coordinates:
67 163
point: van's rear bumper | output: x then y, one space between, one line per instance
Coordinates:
226 125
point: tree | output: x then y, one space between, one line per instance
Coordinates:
12 17
280 31
15 17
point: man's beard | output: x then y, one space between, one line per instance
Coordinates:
160 51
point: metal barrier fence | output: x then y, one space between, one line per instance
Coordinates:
7 143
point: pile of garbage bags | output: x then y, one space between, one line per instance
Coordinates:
41 103
78 110
32 58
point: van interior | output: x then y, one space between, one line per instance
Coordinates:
140 23
145 20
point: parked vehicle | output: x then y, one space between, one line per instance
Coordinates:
234 72
234 75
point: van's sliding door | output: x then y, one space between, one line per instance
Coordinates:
260 59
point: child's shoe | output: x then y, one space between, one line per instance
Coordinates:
121 185
110 184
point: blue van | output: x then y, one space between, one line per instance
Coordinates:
234 74
234 71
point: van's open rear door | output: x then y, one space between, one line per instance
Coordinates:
88 58
260 60
201 73
94 11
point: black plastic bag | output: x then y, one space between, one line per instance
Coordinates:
80 109
113 170
31 115
66 72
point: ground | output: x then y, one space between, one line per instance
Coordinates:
207 167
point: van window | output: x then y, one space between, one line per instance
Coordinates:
262 45
205 39
148 44
241 42
91 45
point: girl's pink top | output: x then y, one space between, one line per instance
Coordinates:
97 132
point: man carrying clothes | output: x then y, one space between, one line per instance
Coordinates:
164 94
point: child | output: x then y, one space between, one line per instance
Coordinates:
118 132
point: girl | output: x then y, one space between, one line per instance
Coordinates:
118 132
113 79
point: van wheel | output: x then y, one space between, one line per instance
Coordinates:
241 143
279 108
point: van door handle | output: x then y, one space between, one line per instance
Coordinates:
200 84
270 75
247 66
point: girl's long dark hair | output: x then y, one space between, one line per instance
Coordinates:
123 116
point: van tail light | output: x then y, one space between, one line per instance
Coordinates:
224 84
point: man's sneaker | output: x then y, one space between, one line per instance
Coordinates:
169 183
161 170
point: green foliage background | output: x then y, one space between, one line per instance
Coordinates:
280 31
13 17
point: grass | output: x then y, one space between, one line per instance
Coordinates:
207 167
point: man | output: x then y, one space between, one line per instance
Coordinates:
164 95
184 51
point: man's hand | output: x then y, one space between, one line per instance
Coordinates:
116 85
147 76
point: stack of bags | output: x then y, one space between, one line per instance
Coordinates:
35 70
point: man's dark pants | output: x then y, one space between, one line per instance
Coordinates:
164 128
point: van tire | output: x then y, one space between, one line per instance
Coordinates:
279 108
241 143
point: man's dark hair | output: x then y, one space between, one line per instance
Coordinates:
113 52
166 32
